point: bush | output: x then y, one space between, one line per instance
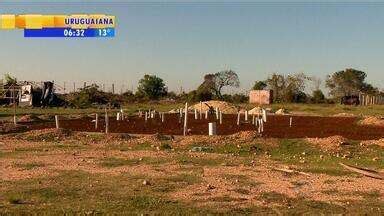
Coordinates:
90 96
318 97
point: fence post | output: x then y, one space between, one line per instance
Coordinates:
96 121
185 128
106 122
57 121
201 110
246 116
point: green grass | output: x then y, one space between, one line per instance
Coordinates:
243 150
112 162
301 206
79 192
317 109
75 192
130 109
327 109
290 151
242 180
117 162
185 159
29 166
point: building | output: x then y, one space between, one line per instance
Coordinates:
261 96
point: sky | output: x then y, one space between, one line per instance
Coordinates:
180 41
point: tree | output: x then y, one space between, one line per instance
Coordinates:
288 88
152 87
216 82
276 82
9 80
348 82
259 85
87 96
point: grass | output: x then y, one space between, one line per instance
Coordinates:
112 162
80 192
131 109
172 183
328 109
185 159
117 162
242 180
243 150
290 151
85 193
316 109
29 166
300 206
75 192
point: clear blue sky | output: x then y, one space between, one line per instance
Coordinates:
180 42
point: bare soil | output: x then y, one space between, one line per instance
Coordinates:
277 126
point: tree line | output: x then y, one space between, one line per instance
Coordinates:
286 89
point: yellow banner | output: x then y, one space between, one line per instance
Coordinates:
39 21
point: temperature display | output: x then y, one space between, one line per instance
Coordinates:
69 32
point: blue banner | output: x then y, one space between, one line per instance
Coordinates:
69 33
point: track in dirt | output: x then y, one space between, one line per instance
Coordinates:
276 126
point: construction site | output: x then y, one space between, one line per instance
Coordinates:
208 155
191 107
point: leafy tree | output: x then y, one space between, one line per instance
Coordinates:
216 82
259 85
199 95
88 96
128 97
152 87
172 95
9 80
348 82
239 98
287 88
299 97
276 82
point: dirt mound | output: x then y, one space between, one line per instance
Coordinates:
47 117
29 118
344 115
255 111
225 107
45 135
173 111
75 116
244 136
372 120
332 143
281 111
379 142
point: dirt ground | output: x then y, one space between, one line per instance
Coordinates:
277 126
223 173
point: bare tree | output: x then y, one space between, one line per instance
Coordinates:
216 82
